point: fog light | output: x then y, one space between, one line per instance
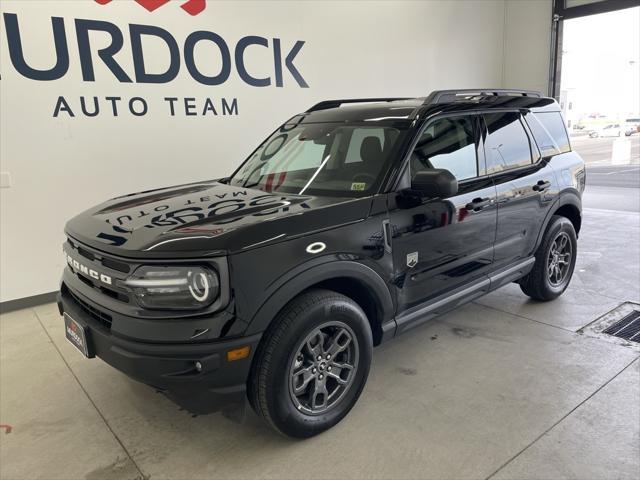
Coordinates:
198 366
238 353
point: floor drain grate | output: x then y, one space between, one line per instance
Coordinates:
628 327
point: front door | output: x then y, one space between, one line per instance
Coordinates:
441 244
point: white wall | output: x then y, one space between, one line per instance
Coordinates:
527 40
60 166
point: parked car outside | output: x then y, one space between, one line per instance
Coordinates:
632 126
610 130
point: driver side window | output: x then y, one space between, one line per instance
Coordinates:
447 143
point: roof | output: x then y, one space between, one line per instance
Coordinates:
409 109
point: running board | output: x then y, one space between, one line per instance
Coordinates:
451 300
511 273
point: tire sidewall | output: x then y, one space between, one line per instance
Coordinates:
560 225
279 403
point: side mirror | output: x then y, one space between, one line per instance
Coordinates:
435 183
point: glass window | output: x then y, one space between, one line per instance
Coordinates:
507 145
546 143
321 159
357 137
447 143
554 126
291 156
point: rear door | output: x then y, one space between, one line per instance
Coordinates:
524 183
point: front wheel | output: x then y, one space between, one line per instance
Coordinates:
312 364
555 261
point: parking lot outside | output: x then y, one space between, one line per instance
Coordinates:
610 187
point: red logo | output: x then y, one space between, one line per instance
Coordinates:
192 7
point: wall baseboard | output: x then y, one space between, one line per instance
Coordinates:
27 302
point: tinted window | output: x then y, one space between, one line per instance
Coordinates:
554 126
546 143
447 143
507 145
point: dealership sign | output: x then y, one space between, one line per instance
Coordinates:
192 7
180 53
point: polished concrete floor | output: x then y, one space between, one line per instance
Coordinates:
501 388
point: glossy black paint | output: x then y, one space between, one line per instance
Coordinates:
402 256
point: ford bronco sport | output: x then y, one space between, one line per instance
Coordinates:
352 223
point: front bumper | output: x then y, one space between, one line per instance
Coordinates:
168 367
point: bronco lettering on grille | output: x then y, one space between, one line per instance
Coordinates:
79 267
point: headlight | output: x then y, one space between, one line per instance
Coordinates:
179 287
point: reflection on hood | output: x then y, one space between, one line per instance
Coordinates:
174 218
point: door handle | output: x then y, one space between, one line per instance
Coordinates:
541 186
477 204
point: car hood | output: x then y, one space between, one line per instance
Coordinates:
209 218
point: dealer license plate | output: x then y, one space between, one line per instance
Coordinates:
77 335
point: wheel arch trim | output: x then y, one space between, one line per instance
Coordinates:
566 198
296 281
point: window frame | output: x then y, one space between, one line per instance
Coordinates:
481 133
474 126
405 168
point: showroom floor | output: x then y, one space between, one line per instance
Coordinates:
501 388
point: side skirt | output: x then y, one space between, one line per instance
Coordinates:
450 300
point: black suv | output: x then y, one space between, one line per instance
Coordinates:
352 223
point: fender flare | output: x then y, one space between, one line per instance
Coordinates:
305 276
567 197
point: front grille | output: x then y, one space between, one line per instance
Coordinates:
120 296
86 253
100 257
101 317
627 328
115 265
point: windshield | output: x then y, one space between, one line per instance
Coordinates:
321 159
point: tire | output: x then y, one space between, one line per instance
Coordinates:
318 321
544 282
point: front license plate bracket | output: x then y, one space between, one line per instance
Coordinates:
78 335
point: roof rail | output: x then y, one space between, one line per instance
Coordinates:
336 103
446 96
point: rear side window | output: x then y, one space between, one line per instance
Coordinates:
507 145
549 132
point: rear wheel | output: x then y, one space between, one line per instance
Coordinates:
555 261
312 364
